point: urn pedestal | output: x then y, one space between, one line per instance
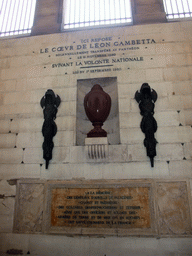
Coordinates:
97 148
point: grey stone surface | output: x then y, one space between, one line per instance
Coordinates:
49 245
6 189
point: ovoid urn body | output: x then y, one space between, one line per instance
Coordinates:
97 104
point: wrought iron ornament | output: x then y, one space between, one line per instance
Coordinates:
50 102
146 99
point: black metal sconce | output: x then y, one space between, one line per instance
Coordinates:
49 102
146 99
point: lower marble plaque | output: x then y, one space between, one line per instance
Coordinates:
111 207
103 207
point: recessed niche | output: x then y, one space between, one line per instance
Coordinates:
111 125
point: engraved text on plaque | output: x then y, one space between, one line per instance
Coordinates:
122 207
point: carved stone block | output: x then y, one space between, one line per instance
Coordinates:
173 208
29 208
103 207
97 148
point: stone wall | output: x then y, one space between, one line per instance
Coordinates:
159 54
48 15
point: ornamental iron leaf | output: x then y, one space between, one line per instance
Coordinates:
49 102
146 98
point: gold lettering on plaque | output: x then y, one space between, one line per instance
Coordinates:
125 207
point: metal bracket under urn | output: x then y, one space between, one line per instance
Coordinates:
146 99
97 104
49 102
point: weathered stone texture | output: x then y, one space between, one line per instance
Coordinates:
173 208
180 169
148 12
46 17
188 150
7 140
7 203
11 155
6 223
26 73
15 171
35 155
6 189
29 208
22 125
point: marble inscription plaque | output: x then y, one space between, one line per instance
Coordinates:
29 208
173 208
122 207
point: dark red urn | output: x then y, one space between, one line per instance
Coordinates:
97 104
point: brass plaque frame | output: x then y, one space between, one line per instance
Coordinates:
100 208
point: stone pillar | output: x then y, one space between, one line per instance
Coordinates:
48 14
148 11
48 17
